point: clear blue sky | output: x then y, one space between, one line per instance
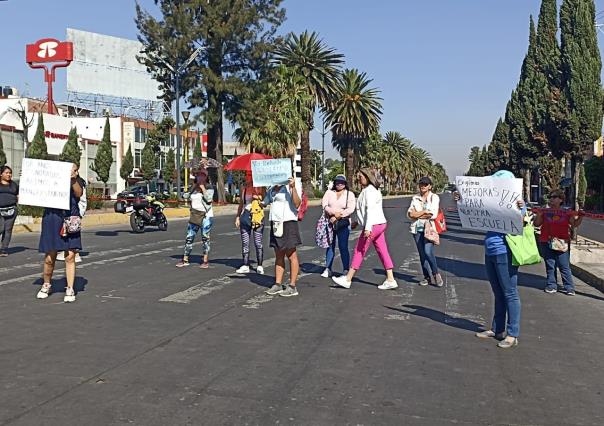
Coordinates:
446 68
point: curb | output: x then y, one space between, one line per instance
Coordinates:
588 277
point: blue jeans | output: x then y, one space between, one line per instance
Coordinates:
342 238
557 260
503 277
426 255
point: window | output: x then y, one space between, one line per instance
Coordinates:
137 158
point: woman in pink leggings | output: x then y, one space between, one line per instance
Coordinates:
371 218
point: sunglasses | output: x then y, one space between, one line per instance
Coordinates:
340 183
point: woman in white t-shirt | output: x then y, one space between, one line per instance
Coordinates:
284 201
201 198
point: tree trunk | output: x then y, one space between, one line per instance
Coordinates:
574 190
350 166
215 143
306 160
527 184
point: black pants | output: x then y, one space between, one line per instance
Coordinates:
6 229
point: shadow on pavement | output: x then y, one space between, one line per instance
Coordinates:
461 240
58 285
477 271
398 275
439 317
116 233
18 249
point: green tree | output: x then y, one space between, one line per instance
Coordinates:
581 67
475 159
236 36
37 149
2 154
169 170
354 114
498 152
72 152
594 172
148 162
582 187
159 135
127 165
319 65
197 154
104 157
271 122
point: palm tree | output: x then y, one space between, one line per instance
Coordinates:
354 115
319 66
401 147
271 122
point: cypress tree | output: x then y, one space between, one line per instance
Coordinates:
169 170
2 154
148 159
127 165
104 157
497 157
37 149
581 67
197 150
72 151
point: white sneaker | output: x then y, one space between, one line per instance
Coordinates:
44 291
342 281
78 259
61 255
388 285
326 273
69 295
243 270
260 270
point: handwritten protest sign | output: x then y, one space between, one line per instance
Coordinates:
45 183
489 204
271 172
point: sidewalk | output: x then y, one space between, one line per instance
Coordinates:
587 262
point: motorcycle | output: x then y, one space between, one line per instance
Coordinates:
144 211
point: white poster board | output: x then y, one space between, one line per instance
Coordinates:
489 204
271 172
45 183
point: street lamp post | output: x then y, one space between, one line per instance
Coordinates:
185 116
177 72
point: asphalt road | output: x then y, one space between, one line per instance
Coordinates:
592 229
149 344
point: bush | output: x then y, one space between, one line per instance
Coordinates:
94 196
592 202
31 211
318 193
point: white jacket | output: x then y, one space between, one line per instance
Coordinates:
369 208
417 204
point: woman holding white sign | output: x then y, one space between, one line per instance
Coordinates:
284 235
503 277
9 196
423 210
61 232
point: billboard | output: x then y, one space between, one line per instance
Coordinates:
107 66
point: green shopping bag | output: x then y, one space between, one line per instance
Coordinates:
524 247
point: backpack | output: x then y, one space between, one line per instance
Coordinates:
303 206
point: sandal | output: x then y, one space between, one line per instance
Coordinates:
204 265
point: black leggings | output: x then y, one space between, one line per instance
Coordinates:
6 229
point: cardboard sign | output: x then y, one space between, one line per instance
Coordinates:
271 172
45 183
489 204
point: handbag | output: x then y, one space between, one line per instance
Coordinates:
430 233
558 244
324 232
72 225
7 211
524 247
196 217
343 222
440 223
278 229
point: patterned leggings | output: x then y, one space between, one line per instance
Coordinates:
192 230
246 234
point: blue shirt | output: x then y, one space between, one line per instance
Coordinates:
494 242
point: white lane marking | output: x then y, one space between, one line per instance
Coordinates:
397 317
405 290
92 255
97 262
452 313
256 301
199 290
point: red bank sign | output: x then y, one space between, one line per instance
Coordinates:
49 50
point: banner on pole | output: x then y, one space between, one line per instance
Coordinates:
489 204
271 172
45 183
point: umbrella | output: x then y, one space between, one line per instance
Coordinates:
244 162
207 163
